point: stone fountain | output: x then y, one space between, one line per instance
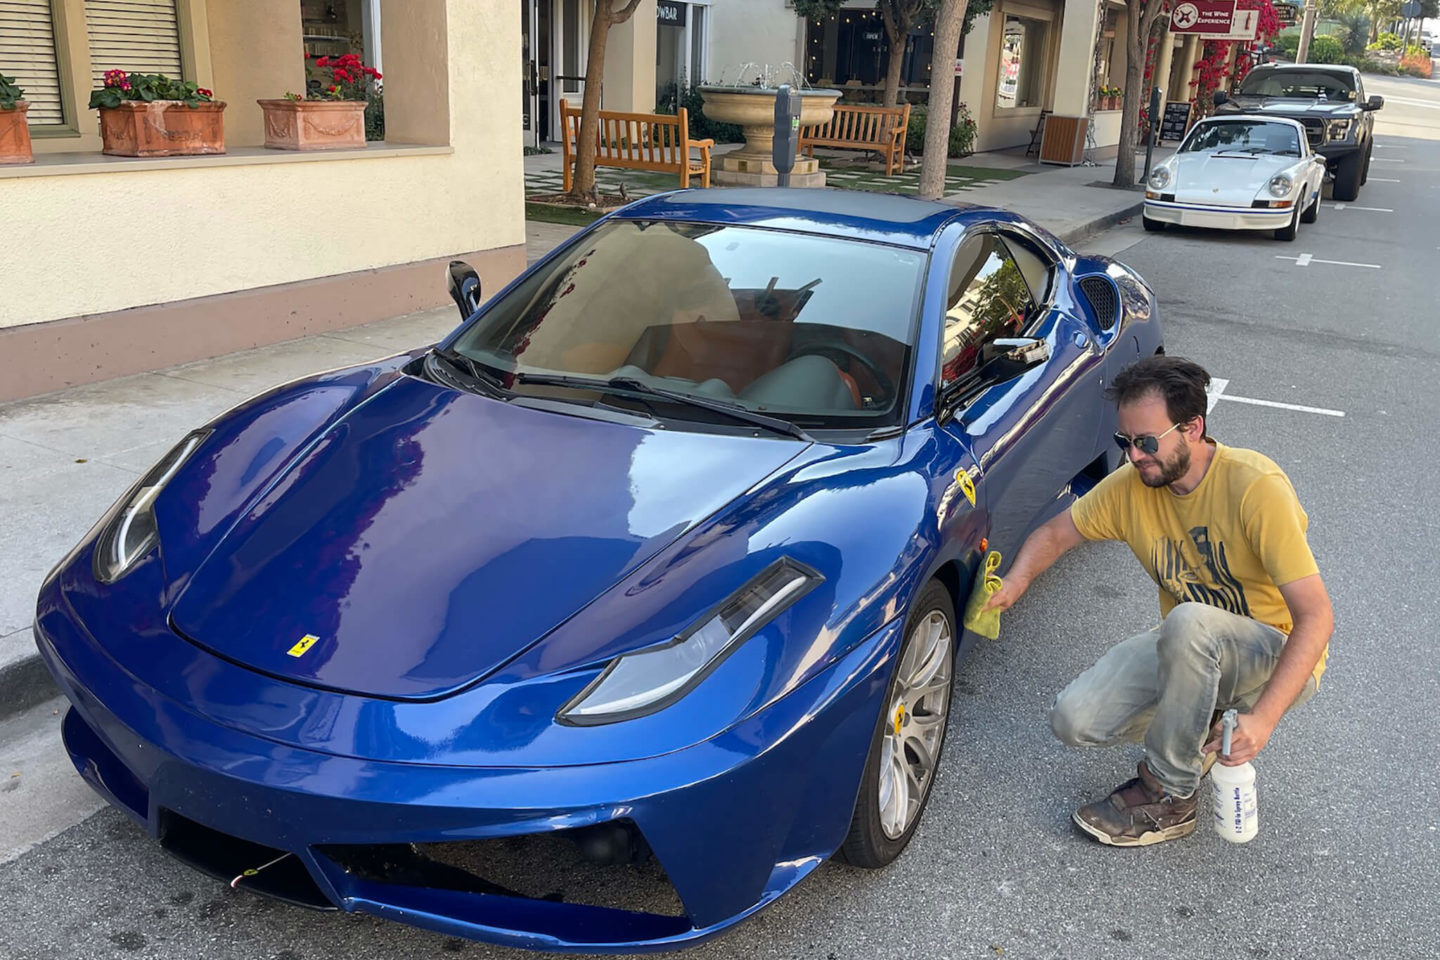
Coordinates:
751 105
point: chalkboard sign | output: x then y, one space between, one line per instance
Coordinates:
1176 120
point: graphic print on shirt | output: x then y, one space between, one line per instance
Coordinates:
1185 581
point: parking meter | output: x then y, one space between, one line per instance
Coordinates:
787 133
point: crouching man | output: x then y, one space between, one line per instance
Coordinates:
1246 618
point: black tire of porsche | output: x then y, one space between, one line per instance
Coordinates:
1312 212
1347 179
1154 226
866 845
1288 232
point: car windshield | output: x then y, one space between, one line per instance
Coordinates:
1243 136
1299 84
813 329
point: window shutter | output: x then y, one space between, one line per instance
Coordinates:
27 53
137 36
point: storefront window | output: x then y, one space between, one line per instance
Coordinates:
1022 61
333 28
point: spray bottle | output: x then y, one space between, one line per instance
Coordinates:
1237 816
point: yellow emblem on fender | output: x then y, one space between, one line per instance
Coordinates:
305 643
967 485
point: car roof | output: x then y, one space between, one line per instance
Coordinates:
1308 67
853 214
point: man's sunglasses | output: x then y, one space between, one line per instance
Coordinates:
1146 443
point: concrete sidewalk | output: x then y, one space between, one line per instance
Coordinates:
66 456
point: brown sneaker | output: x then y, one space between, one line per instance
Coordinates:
1138 814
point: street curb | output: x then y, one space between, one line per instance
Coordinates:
1100 224
23 684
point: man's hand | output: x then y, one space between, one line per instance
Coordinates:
1042 548
1248 739
1006 596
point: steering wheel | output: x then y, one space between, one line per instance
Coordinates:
882 380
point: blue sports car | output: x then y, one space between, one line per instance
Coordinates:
649 570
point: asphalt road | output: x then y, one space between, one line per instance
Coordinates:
1347 863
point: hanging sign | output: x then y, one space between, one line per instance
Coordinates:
670 14
1244 27
1287 13
1202 16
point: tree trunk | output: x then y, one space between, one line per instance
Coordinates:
582 188
948 21
897 32
1140 18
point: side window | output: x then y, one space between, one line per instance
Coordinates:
1034 266
988 299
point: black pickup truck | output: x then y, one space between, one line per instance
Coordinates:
1328 100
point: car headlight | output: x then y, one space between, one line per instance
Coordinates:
1340 129
1281 185
641 683
130 531
1160 178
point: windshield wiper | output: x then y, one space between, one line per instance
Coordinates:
640 387
486 376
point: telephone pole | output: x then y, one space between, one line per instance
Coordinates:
1307 32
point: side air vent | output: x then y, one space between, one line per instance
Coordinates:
1103 298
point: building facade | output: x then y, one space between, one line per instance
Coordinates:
117 265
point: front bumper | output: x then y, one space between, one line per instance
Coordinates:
734 822
1218 217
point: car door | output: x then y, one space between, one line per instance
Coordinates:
1033 432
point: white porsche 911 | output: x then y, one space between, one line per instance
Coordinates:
1238 173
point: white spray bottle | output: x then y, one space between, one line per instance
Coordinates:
1237 816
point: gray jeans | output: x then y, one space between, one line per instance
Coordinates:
1162 687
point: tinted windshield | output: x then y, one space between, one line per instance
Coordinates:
1299 84
1243 136
814 329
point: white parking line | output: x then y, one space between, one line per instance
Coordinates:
1386 160
1305 259
1216 392
1348 206
1383 180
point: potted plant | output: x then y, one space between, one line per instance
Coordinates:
151 115
331 114
14 129
1111 97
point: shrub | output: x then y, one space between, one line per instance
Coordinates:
1289 44
1416 66
1326 50
962 133
701 126
120 86
1387 41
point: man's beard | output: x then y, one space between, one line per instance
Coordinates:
1177 467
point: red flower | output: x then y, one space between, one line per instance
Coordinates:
322 62
205 93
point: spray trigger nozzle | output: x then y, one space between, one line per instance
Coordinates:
1229 720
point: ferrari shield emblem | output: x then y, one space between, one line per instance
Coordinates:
304 643
967 485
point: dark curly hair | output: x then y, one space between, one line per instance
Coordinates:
1179 381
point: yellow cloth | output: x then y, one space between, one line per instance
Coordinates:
1232 542
977 619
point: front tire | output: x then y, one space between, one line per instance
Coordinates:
1347 178
1365 170
909 736
1289 231
1154 226
1312 212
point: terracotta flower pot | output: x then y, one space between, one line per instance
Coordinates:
15 135
314 124
162 128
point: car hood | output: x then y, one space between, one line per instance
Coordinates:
430 535
1281 107
1228 179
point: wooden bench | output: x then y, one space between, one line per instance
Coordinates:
860 126
638 141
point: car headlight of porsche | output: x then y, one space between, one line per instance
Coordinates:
641 683
130 532
1160 178
1281 185
1340 129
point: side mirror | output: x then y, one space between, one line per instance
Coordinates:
1374 103
464 285
1220 97
1008 357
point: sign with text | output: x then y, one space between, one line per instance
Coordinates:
1288 13
1202 16
1244 27
670 14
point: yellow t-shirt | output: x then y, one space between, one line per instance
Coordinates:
1232 542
